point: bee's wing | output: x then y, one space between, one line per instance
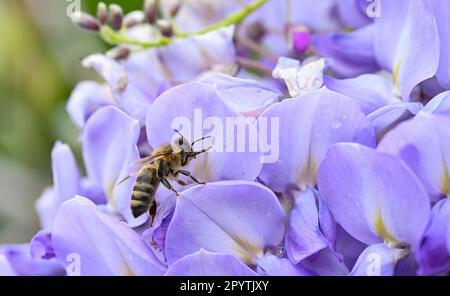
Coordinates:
137 165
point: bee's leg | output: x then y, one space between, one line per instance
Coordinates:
188 174
167 184
181 182
152 212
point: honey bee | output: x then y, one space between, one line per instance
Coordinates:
165 162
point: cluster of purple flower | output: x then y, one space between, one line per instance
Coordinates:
362 180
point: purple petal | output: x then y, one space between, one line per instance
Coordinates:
351 54
90 242
439 105
128 96
433 255
304 237
353 13
6 268
422 144
440 9
41 245
111 71
146 73
448 240
17 260
388 117
327 223
181 102
187 58
86 98
244 96
66 179
270 265
230 217
380 200
326 263
315 15
156 235
406 42
369 91
377 260
189 108
348 246
109 151
204 263
308 126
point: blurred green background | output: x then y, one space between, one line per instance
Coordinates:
40 53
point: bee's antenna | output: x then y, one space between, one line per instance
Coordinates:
123 180
194 154
196 141
178 133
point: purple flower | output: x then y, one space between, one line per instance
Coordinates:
351 54
238 218
406 42
204 263
439 105
138 80
109 152
66 184
343 170
309 125
187 108
421 144
86 98
376 198
22 261
434 254
90 242
443 24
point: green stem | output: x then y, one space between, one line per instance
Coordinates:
112 37
232 19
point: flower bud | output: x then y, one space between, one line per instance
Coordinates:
256 31
299 38
133 18
116 16
119 53
174 9
102 13
86 22
150 11
165 28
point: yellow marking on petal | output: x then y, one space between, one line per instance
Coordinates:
395 74
445 183
313 168
248 252
382 231
109 191
202 169
127 271
308 175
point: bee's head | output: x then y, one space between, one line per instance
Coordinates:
181 145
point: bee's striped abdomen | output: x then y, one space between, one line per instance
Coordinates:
144 191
